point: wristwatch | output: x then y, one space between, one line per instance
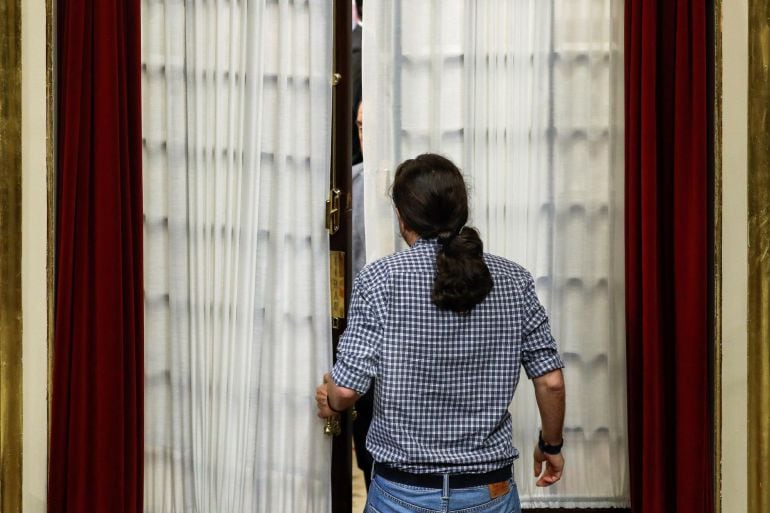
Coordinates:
547 448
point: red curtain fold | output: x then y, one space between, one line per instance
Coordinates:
667 274
96 452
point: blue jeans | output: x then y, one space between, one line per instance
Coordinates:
390 497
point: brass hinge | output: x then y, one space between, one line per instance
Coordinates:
333 211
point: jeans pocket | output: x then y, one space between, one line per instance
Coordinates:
479 500
388 497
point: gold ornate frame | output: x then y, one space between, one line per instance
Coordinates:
11 250
10 258
717 363
759 258
758 261
50 138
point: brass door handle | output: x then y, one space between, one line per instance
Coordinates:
333 426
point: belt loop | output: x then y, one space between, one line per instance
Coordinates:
445 488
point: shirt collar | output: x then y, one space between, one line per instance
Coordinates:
428 243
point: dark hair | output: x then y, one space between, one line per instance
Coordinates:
430 195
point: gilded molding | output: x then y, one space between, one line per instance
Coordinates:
759 258
717 363
50 91
10 258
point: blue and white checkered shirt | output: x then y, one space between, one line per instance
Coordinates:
443 381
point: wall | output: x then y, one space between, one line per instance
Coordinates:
35 247
734 255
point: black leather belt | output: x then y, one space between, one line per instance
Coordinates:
437 480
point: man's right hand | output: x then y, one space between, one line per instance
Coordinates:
554 464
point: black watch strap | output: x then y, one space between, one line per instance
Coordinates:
547 448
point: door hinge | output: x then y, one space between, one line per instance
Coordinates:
333 211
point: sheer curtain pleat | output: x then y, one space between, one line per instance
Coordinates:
527 95
237 106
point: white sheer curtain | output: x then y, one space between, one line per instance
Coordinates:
236 119
527 96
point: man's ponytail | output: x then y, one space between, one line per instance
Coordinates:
462 278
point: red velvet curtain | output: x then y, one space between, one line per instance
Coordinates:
96 449
667 256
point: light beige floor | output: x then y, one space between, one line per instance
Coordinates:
359 488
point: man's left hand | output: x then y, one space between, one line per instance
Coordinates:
321 393
549 473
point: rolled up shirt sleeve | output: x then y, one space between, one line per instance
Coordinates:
540 354
358 350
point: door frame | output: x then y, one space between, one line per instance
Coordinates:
341 240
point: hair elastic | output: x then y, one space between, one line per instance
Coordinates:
448 240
